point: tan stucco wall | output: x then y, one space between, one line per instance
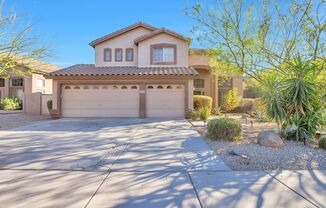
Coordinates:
238 84
204 74
4 91
32 103
199 60
144 50
48 84
123 41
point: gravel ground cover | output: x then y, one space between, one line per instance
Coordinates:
248 155
14 120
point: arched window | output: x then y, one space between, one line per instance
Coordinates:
179 87
115 87
124 87
134 87
86 87
169 87
67 87
76 87
160 87
150 87
95 87
105 87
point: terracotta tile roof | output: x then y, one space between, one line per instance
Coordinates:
91 70
121 31
159 31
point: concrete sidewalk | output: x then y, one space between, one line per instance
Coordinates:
136 163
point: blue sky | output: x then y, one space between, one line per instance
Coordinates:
69 25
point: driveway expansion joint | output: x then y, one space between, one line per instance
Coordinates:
305 198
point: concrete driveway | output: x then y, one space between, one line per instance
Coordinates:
136 163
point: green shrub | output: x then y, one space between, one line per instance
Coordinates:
224 128
201 101
252 88
193 114
322 142
10 103
246 105
217 111
204 113
232 100
49 104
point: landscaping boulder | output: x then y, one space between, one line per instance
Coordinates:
270 139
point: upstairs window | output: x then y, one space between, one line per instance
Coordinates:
17 82
40 83
2 82
199 83
107 54
163 54
118 54
129 54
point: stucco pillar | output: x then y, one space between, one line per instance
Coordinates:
55 95
142 101
214 90
190 92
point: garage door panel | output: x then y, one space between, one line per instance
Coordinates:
163 102
100 101
95 112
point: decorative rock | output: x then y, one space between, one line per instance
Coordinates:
270 139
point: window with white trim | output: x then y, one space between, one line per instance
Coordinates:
107 54
118 54
163 55
40 83
129 54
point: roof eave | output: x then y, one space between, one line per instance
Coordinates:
121 31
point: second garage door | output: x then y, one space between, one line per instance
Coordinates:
100 101
165 101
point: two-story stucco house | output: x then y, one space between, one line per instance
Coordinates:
139 71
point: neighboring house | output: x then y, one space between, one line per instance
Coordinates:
139 71
30 80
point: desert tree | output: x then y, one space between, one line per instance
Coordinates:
18 45
252 36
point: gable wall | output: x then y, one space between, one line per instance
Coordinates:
123 41
144 50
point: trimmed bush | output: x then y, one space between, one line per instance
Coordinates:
10 103
202 101
322 142
224 129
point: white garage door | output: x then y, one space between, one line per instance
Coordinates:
100 101
165 101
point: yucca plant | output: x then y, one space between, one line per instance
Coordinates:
293 98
